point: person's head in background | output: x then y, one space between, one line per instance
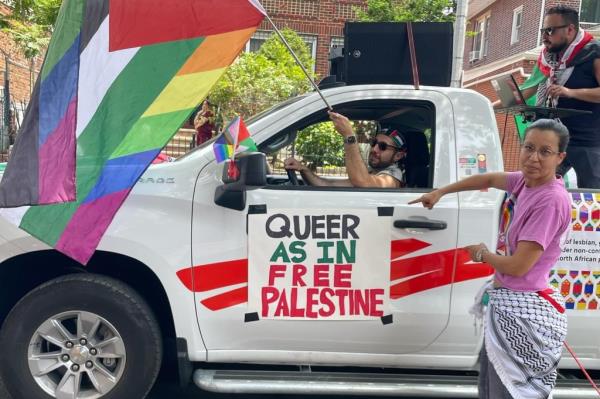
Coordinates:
561 25
205 105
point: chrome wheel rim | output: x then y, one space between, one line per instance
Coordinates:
76 355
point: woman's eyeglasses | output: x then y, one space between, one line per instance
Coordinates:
382 146
551 29
543 153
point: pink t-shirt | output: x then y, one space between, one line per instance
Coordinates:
541 214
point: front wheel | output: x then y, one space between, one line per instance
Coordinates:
80 336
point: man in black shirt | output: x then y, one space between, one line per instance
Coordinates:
571 62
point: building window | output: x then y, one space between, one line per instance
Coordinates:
257 40
337 41
481 39
486 36
311 41
590 11
261 36
516 25
476 48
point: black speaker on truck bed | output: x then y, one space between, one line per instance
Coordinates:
378 52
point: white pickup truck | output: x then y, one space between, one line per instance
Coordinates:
261 285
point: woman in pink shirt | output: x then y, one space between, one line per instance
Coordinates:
525 324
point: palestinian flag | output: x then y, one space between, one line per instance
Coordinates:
119 79
536 78
235 139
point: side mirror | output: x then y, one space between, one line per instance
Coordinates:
252 169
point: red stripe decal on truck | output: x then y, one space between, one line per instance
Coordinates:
421 273
417 274
226 299
403 247
214 275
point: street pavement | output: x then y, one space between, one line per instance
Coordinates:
162 391
170 391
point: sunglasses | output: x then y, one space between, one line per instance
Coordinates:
382 146
551 29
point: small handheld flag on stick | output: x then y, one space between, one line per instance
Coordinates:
235 139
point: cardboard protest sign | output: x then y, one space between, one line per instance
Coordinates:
318 264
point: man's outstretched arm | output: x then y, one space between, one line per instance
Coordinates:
358 174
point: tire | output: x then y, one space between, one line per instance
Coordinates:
45 330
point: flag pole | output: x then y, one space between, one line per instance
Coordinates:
298 61
235 141
232 170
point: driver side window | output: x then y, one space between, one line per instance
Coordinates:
319 147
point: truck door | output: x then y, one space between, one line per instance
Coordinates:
413 248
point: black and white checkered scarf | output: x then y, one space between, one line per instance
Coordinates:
524 334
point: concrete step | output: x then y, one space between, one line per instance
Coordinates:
173 153
178 141
176 145
180 144
361 384
185 134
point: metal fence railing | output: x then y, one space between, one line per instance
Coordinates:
11 117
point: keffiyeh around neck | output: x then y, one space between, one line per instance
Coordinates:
558 67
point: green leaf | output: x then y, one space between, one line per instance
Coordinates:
320 145
30 24
408 10
257 81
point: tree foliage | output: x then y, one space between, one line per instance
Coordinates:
40 12
408 10
256 81
30 24
320 145
31 39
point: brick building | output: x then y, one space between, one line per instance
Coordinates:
22 74
319 22
505 38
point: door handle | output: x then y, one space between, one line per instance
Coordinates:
420 224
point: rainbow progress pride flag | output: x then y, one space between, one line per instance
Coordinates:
119 79
235 139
